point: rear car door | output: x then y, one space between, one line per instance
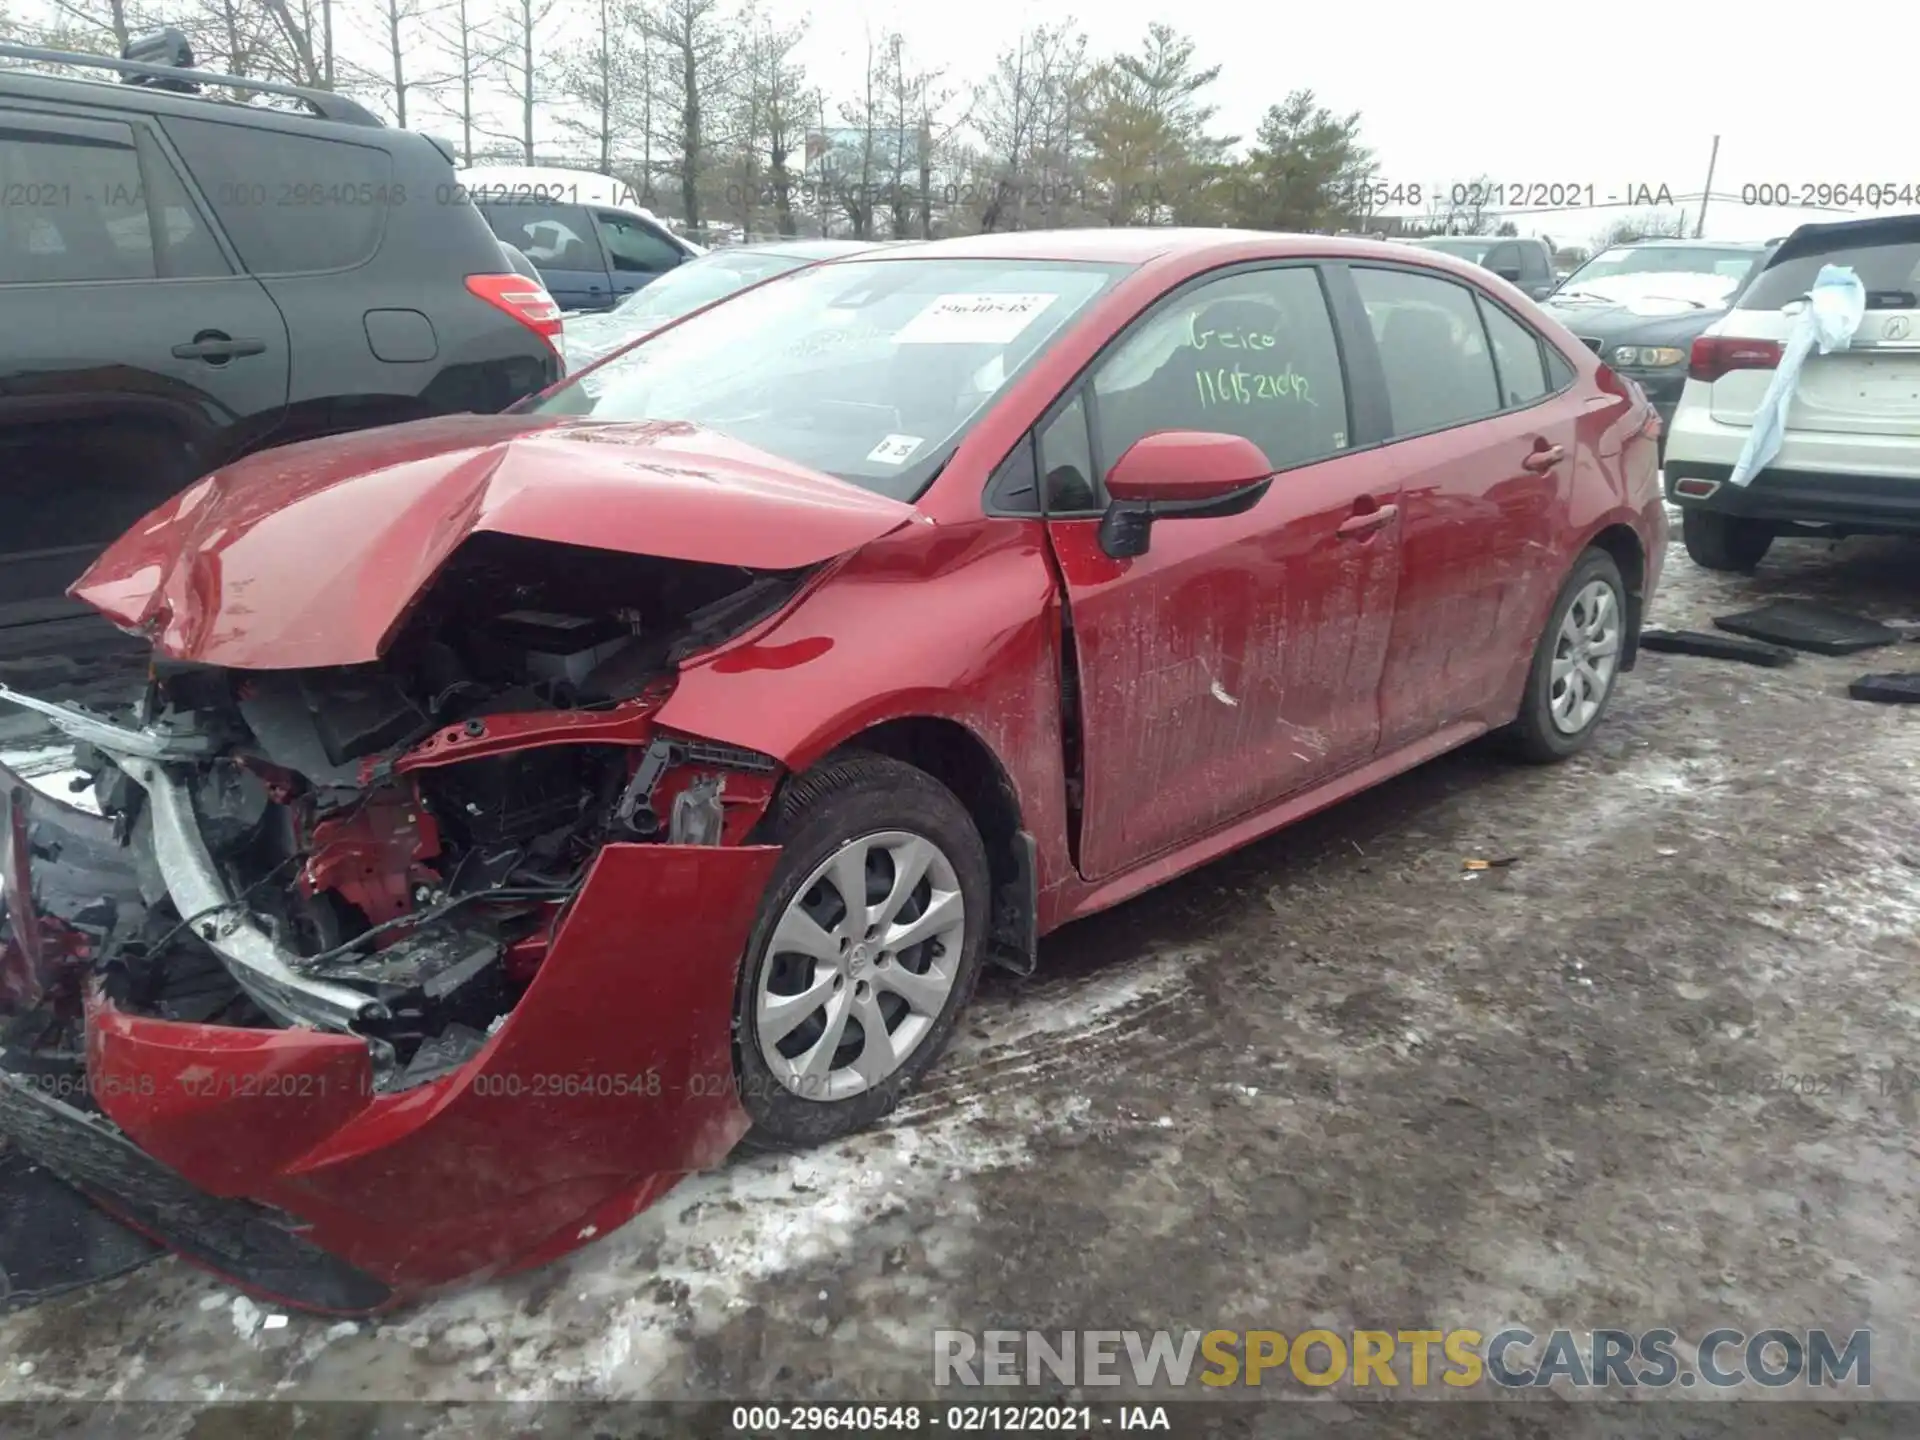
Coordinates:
637 252
1239 659
561 242
136 354
1485 448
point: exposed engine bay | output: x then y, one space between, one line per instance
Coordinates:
386 850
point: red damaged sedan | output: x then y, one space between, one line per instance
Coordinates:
524 807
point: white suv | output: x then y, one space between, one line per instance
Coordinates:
1849 460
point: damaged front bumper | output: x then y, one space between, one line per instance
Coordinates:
281 1155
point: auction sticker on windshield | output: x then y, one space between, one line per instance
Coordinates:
895 450
980 319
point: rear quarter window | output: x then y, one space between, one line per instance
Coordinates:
553 237
291 204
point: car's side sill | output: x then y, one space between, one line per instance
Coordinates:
1240 832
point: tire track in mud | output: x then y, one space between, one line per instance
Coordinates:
1071 1028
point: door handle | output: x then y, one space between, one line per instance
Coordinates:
214 348
1541 461
1366 524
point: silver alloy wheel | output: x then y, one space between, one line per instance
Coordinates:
860 965
1585 655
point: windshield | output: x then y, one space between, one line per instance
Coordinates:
1732 265
679 292
1474 250
699 282
868 370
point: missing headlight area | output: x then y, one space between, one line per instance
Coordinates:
387 850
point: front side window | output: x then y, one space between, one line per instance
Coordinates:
868 370
1432 348
633 247
1252 355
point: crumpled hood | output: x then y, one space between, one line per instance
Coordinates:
312 555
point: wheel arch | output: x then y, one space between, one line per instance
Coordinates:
1622 542
959 758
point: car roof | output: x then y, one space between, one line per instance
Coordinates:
1122 245
1674 244
805 249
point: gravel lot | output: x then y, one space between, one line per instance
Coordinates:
1334 1080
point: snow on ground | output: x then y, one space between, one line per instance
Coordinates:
49 769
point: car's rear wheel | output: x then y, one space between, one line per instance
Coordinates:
1725 542
866 948
1575 664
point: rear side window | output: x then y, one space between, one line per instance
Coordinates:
289 203
634 246
1888 265
71 204
1432 348
1516 357
553 237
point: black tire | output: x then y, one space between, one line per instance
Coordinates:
843 798
1716 541
1533 736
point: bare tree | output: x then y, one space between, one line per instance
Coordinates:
472 47
865 115
696 55
397 27
522 78
107 18
1462 208
786 101
604 77
300 41
914 95
1032 120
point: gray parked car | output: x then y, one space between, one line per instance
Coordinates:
1525 260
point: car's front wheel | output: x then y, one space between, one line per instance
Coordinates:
1575 664
866 948
1725 542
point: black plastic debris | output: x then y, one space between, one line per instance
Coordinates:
1807 626
1900 689
1715 647
53 1239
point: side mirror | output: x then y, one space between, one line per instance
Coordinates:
1193 474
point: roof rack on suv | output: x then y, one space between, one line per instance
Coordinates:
324 104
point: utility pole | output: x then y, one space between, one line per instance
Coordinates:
1706 191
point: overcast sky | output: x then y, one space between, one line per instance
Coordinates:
1608 95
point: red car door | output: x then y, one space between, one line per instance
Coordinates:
1486 457
1239 659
